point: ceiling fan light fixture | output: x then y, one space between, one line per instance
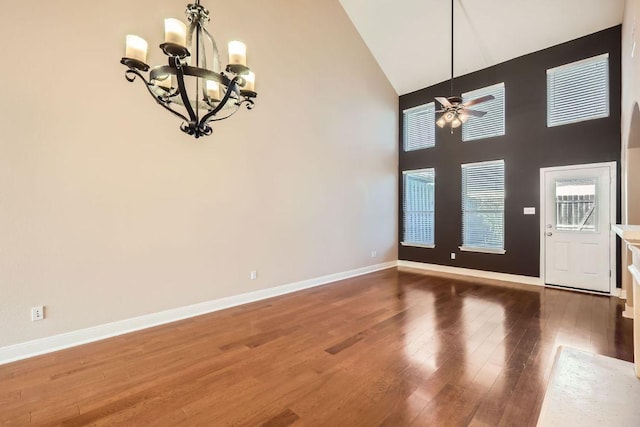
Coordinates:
454 109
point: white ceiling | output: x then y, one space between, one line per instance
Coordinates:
411 39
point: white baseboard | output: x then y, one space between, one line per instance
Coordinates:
37 347
527 280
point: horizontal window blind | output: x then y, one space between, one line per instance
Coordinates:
418 207
493 123
419 127
578 91
483 205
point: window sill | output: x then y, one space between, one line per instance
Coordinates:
417 245
483 250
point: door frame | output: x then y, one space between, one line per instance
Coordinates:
613 182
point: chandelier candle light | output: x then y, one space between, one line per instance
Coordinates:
216 94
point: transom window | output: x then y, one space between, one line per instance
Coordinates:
493 123
419 127
578 91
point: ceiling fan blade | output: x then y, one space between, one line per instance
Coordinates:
473 113
478 100
444 101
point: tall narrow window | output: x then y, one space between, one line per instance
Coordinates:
483 207
493 123
418 207
419 127
578 91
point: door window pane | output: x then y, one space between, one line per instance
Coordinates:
576 204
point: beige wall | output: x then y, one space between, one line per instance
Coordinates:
630 121
108 211
633 174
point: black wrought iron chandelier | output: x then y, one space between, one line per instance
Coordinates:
215 94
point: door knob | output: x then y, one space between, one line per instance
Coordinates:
549 233
549 226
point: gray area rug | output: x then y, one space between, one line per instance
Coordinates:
587 389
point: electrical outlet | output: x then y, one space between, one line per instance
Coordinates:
253 275
374 254
453 255
37 313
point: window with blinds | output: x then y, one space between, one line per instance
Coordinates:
493 123
483 207
578 91
418 207
419 127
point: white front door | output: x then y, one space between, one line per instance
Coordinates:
577 226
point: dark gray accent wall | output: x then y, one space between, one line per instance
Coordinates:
527 146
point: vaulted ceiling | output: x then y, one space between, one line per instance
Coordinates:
411 39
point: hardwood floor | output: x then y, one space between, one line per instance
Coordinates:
392 348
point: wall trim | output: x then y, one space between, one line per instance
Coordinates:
50 344
527 280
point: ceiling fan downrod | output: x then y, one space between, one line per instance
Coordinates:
454 111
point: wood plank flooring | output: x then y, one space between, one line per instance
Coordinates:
392 348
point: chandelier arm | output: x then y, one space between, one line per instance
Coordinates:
131 75
190 71
203 52
175 63
215 66
159 100
166 107
190 30
232 88
197 98
217 119
249 103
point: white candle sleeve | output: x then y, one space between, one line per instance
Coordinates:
250 82
136 48
175 31
237 53
213 90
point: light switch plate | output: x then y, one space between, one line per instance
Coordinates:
529 211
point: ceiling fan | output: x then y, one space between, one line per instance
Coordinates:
454 111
